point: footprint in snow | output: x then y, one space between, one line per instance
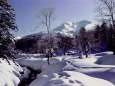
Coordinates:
78 82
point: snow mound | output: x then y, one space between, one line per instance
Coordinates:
33 63
71 71
9 74
106 60
56 75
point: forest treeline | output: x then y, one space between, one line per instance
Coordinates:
100 38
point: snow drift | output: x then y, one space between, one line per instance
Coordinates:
71 71
9 74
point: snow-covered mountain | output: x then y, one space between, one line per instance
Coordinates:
17 37
65 29
70 28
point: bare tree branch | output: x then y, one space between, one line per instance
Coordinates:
106 11
46 15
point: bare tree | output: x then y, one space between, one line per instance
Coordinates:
46 16
42 45
106 11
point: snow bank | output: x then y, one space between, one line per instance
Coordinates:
106 60
9 74
71 71
33 63
26 73
57 75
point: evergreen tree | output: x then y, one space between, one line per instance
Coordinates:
83 40
106 11
113 41
100 36
110 38
76 41
103 35
7 24
91 40
65 43
97 34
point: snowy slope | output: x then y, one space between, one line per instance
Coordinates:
70 28
71 71
9 74
17 37
90 26
66 29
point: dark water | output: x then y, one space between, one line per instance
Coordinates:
32 76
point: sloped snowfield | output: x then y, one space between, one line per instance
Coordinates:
9 74
97 70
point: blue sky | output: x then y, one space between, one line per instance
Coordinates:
66 10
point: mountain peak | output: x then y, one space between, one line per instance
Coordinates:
67 29
70 28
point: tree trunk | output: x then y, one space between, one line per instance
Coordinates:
114 52
64 53
86 53
48 60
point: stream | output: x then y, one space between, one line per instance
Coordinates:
32 76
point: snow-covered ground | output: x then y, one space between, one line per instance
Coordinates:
9 74
97 70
